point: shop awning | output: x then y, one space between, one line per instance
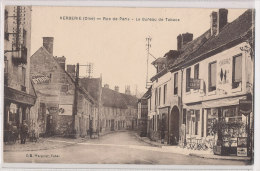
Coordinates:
222 102
18 96
193 107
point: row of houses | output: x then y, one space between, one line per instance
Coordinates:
49 95
207 80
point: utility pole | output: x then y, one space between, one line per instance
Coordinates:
148 45
99 103
75 104
89 69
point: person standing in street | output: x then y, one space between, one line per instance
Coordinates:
24 132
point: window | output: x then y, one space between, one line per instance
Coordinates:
150 100
196 71
188 79
237 71
155 98
188 122
6 65
184 116
153 122
232 114
6 26
175 91
23 76
197 119
157 121
212 117
24 38
165 93
159 96
212 76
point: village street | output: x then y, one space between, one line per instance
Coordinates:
115 148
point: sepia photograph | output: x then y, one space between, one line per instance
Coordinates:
125 85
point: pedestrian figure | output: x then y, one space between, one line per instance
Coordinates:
24 132
162 136
90 132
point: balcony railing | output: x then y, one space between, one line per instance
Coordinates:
21 58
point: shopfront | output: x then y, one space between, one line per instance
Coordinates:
17 106
222 121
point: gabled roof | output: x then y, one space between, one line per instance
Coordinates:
111 98
231 34
92 85
190 48
160 60
130 100
82 90
147 94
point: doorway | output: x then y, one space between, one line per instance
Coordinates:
174 126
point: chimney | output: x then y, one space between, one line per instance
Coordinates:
183 39
106 86
186 38
116 88
61 61
48 44
218 20
213 23
179 42
71 70
222 18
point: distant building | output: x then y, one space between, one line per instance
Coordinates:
131 111
55 89
94 87
113 110
19 94
143 113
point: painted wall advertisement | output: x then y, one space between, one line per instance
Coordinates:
224 74
65 109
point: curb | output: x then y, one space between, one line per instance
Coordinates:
148 142
220 158
198 155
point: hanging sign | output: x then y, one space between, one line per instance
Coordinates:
245 107
194 84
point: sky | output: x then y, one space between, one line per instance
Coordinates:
117 48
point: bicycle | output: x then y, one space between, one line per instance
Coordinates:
190 144
11 137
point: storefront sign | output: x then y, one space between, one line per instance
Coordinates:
245 107
65 109
242 146
241 151
194 84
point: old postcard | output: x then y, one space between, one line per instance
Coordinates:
120 85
